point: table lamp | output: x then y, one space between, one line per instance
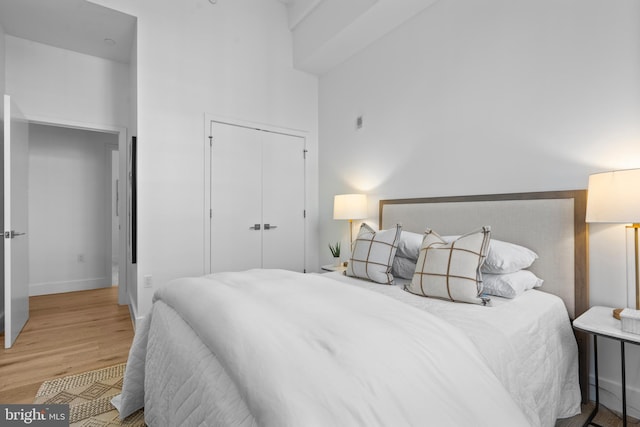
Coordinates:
614 197
350 207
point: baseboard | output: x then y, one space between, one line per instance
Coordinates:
611 395
68 286
132 317
133 312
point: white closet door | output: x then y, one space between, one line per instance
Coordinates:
283 203
257 192
236 198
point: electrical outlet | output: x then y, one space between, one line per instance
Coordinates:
148 281
81 258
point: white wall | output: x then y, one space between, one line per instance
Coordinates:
232 60
131 269
69 209
55 84
491 97
2 60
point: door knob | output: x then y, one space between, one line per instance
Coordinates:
270 227
12 234
256 227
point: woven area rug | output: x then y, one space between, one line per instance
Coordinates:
88 395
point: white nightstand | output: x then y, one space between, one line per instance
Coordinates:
332 267
599 321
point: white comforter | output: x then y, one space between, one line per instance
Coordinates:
307 350
527 342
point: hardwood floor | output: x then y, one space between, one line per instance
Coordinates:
66 334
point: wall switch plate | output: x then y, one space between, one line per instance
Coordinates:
148 281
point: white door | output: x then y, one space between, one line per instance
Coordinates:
236 198
16 261
283 201
257 199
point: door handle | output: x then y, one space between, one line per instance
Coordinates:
12 234
256 227
270 227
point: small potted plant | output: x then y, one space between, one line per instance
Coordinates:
335 251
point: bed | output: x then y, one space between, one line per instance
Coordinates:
271 347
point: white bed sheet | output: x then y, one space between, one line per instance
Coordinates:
528 342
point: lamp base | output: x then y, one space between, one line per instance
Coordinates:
617 311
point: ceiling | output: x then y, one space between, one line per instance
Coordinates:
324 32
76 25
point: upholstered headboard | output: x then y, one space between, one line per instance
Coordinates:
550 223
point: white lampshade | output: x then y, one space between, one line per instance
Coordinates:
614 197
350 206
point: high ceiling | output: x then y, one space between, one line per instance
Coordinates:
76 25
328 32
325 32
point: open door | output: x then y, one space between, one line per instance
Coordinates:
16 255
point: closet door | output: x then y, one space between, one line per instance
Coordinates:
257 197
283 198
236 198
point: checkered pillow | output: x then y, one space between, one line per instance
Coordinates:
373 253
451 270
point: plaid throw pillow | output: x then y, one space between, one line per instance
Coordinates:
451 270
373 253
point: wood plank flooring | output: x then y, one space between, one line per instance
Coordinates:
66 334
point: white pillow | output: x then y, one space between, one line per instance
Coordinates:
409 245
510 285
373 253
451 270
504 257
403 267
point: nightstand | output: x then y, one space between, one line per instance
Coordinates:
599 322
331 267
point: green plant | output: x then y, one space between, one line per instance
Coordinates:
335 249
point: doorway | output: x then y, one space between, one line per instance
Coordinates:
67 170
70 173
71 194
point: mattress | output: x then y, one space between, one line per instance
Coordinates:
526 343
